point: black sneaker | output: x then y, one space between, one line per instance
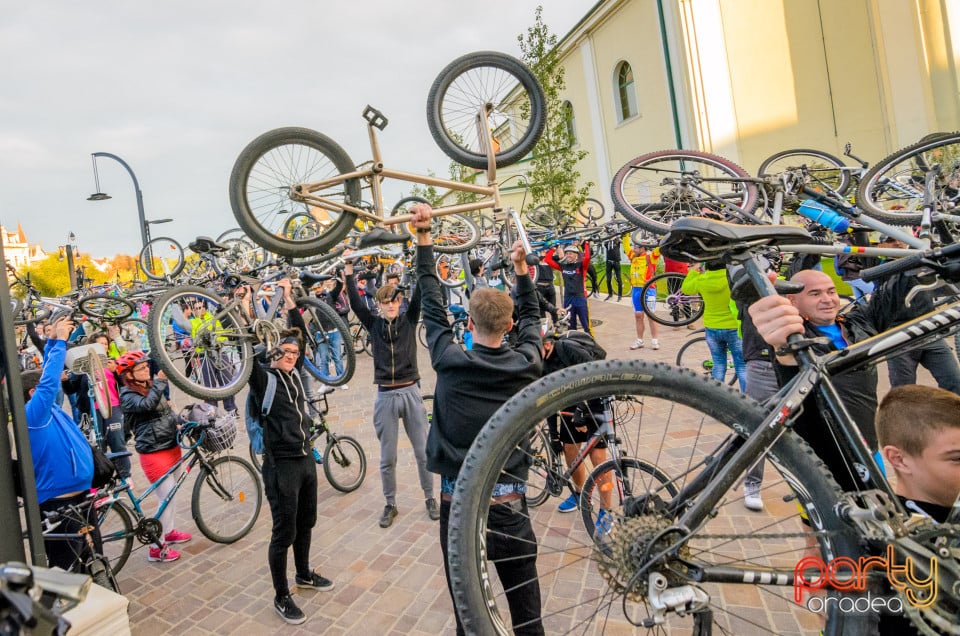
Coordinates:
389 514
288 610
433 509
315 582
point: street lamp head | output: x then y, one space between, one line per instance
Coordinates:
99 196
72 237
158 221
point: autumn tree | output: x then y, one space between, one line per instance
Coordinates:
553 176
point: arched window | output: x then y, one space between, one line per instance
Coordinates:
626 92
570 122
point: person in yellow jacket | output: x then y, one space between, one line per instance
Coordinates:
643 266
210 364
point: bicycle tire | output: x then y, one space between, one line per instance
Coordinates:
666 393
274 164
361 339
105 307
159 267
449 270
688 358
544 216
454 234
677 308
232 482
347 454
222 349
136 333
897 181
823 171
451 109
654 204
317 312
541 470
98 383
115 522
99 570
591 210
256 459
626 482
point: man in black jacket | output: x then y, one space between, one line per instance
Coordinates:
471 386
393 337
289 470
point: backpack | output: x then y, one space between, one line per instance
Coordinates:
583 346
255 413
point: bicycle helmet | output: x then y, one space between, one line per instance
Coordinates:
127 361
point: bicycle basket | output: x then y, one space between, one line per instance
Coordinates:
221 435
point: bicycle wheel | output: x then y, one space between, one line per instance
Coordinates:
454 234
161 258
695 355
226 499
546 217
344 463
99 570
680 420
135 332
892 190
821 171
98 382
200 343
116 532
591 210
542 468
667 305
361 339
608 490
327 340
486 79
449 270
105 307
656 189
266 184
256 459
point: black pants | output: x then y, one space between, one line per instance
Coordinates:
613 269
592 276
291 489
512 546
69 554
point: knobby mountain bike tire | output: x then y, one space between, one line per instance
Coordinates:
100 571
322 322
209 358
115 522
892 190
469 83
226 499
686 419
273 166
644 192
344 463
670 308
824 172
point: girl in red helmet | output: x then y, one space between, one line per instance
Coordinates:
147 413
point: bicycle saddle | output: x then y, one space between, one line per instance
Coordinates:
309 279
696 238
379 236
205 244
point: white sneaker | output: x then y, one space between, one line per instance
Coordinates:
637 345
344 387
751 497
655 344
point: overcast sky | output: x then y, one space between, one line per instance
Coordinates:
178 88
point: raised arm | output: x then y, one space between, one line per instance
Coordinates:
359 307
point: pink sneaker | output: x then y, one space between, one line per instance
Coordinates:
162 555
175 536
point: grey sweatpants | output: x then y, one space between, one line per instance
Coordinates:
388 409
761 384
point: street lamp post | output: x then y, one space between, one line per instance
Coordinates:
70 251
146 225
101 196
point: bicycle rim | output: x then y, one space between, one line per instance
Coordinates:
541 468
105 307
344 463
669 306
327 342
454 234
161 258
226 500
647 190
678 420
820 171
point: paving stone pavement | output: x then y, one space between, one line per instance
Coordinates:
388 581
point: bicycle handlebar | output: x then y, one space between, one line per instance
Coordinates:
930 257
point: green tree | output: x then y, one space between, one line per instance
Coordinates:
553 175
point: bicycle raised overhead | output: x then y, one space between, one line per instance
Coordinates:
697 560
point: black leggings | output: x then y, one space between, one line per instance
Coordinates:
68 554
294 509
614 268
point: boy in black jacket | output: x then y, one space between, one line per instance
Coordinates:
289 471
471 386
393 337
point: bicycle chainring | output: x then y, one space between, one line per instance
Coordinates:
149 530
943 540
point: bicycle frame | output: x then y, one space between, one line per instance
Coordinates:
376 172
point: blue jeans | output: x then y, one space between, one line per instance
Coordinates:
720 341
577 307
330 347
860 287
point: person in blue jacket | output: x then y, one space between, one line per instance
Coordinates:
62 458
